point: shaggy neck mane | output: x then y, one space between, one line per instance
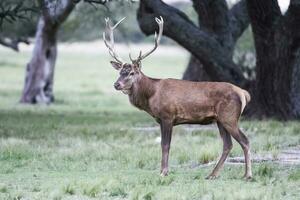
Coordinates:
142 90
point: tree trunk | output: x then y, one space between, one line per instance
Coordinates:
195 71
38 87
295 85
277 69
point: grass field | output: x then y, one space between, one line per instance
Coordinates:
92 144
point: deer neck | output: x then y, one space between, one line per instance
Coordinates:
142 90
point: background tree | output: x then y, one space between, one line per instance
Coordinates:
18 21
40 70
276 88
38 86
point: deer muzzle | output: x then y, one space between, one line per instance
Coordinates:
118 85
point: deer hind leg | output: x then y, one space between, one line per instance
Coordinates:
247 154
240 137
227 146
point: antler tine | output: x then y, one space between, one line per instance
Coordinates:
119 22
133 60
110 29
157 37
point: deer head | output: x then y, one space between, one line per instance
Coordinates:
129 72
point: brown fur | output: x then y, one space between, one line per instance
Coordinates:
173 102
185 101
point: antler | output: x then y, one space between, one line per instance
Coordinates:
157 37
110 30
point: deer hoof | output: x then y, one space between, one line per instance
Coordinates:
164 172
211 177
247 176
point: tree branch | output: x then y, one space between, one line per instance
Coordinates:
12 11
239 19
13 43
102 2
56 12
65 10
200 43
214 18
212 14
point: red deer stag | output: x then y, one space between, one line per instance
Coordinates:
172 102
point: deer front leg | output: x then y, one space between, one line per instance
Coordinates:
166 135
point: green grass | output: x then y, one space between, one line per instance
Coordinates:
90 144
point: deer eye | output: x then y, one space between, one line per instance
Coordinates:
131 74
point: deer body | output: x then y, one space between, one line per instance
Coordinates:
172 102
186 102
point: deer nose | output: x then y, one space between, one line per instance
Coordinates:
117 85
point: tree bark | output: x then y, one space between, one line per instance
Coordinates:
195 71
13 43
277 46
40 70
293 19
38 87
227 25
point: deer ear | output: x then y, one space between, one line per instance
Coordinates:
116 65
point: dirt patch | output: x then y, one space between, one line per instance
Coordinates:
148 129
187 128
286 157
289 156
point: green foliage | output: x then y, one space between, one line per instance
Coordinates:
244 54
246 41
87 22
92 190
117 192
295 175
69 189
149 196
265 171
14 10
3 188
21 22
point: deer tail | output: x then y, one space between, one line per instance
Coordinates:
245 98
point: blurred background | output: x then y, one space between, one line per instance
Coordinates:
66 133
